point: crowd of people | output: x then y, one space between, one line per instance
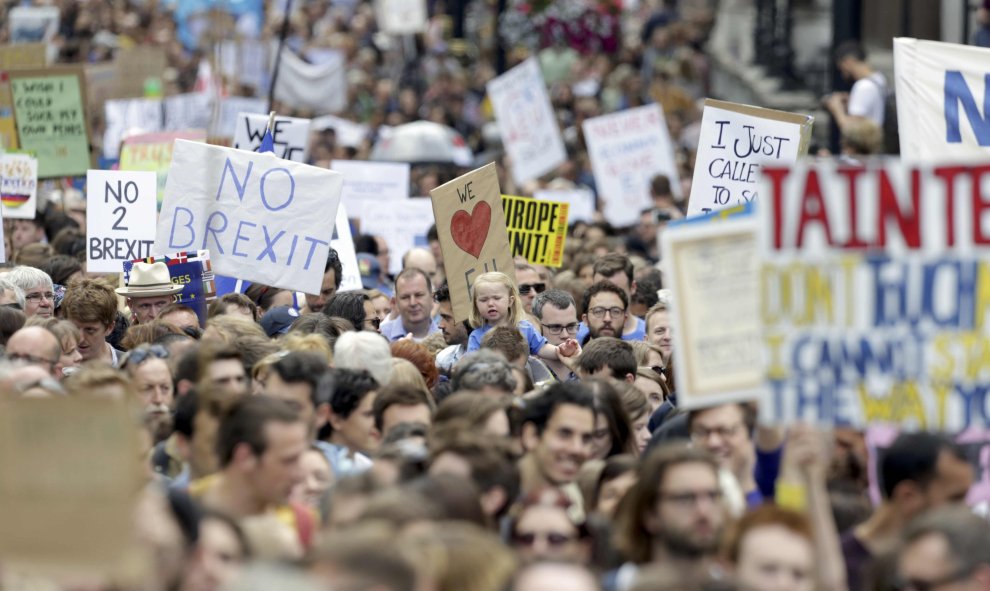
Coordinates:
370 439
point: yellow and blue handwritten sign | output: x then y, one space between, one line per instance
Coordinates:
536 228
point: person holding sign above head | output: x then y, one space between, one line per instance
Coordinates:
149 289
497 303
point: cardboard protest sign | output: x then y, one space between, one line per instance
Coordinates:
401 17
343 243
874 294
26 55
974 444
536 229
70 477
18 186
580 202
51 120
126 117
291 135
713 273
527 121
371 183
262 218
193 271
941 108
734 141
120 217
627 150
471 228
153 151
403 224
320 88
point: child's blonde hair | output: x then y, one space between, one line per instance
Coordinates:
515 313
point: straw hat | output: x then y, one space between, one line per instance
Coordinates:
149 280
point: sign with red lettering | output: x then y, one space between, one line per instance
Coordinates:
876 294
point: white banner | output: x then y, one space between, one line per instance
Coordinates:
319 88
401 17
734 141
403 225
120 218
291 135
263 219
19 186
527 121
230 108
129 117
580 202
343 243
627 150
188 111
941 101
368 184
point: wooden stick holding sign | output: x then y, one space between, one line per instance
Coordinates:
471 228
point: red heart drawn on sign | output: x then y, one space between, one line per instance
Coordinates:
470 230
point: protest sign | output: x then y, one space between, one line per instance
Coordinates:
230 108
974 444
51 121
193 271
346 133
263 219
471 228
33 24
713 274
401 17
368 183
245 61
403 224
536 229
27 55
940 88
18 186
70 477
153 151
291 136
627 150
320 88
343 243
580 202
129 117
120 217
734 141
527 121
188 111
874 294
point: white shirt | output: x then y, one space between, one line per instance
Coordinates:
868 97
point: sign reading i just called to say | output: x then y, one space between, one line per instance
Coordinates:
120 217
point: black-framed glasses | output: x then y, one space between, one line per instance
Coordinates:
571 328
910 584
553 539
599 312
31 359
375 321
142 353
525 288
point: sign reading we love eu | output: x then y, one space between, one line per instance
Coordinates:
471 228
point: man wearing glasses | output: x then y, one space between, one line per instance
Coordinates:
554 309
530 285
615 268
33 345
604 311
39 295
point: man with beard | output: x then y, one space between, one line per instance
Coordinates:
149 372
673 514
455 333
604 311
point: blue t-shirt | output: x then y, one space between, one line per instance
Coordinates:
535 339
638 334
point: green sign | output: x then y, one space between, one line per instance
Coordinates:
51 123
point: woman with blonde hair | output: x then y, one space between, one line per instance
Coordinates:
404 373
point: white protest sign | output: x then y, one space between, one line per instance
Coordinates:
527 121
226 123
627 150
403 225
580 202
35 24
343 243
19 186
321 88
126 117
401 17
264 219
942 91
734 141
188 111
120 217
291 135
713 272
368 184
